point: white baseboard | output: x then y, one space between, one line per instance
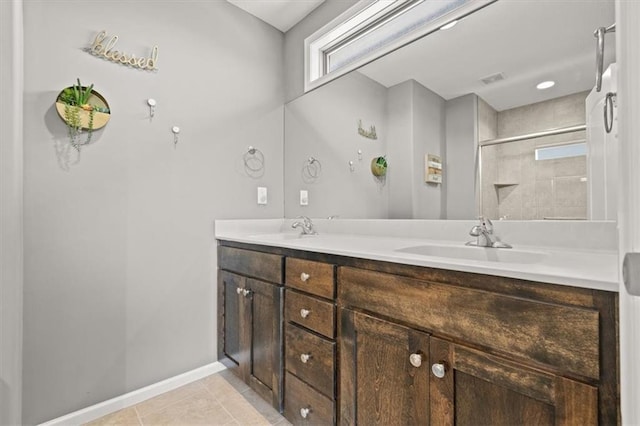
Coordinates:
123 401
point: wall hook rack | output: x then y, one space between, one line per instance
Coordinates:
370 134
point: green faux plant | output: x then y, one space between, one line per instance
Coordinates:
76 98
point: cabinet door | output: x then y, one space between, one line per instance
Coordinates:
251 333
481 389
266 358
384 376
236 333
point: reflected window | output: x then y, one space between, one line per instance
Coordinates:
372 29
561 151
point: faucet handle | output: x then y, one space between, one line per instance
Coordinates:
486 222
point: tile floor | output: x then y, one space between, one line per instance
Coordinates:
219 399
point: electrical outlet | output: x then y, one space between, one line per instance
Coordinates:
304 197
262 195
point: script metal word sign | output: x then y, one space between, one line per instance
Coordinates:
106 51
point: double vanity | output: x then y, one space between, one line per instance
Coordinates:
399 322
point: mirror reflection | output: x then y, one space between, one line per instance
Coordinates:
466 96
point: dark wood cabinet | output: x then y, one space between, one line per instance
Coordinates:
476 388
339 340
384 376
250 332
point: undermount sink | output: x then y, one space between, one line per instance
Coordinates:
486 254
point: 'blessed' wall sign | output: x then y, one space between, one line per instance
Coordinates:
106 50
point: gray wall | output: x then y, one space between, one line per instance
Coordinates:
416 128
294 43
119 248
324 124
460 169
11 181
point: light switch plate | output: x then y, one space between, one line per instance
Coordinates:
304 197
262 195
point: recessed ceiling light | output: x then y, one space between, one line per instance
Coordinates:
545 85
449 25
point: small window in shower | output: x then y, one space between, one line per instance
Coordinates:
561 151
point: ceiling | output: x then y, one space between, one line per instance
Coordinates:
527 41
282 14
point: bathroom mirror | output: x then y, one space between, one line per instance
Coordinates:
446 95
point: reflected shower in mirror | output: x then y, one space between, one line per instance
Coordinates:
453 94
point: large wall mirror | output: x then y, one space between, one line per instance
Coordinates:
464 97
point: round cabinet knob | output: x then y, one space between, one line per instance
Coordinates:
238 290
246 292
304 277
415 360
304 313
439 370
305 358
304 412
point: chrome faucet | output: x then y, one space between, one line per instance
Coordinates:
483 233
305 224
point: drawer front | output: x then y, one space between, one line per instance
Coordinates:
311 358
299 396
566 337
266 266
313 277
312 313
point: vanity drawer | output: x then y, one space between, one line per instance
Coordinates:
312 313
266 266
303 405
311 358
313 277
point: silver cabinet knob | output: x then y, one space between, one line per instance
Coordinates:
238 290
415 359
246 292
305 358
439 370
304 412
304 277
304 312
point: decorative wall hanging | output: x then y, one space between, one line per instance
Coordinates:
371 133
432 168
379 166
105 50
82 108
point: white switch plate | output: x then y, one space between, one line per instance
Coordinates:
262 195
304 197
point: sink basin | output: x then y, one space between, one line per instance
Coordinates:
484 254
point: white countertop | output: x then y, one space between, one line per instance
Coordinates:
579 267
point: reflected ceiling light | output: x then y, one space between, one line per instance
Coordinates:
449 25
545 85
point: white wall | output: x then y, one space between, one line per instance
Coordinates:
11 255
628 54
119 249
